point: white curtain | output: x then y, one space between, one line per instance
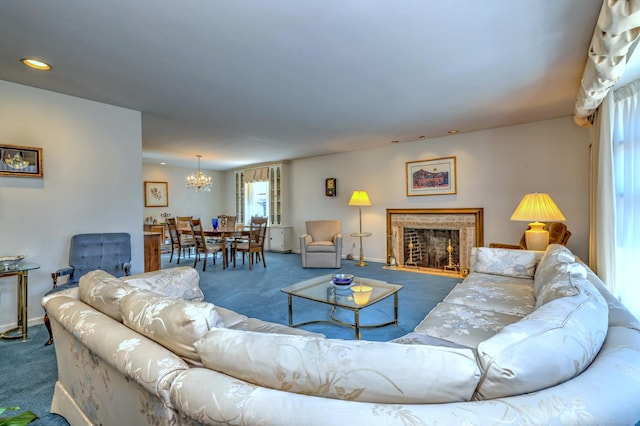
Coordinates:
626 171
602 253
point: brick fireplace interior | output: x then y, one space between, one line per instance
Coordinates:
436 240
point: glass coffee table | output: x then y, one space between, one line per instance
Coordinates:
363 293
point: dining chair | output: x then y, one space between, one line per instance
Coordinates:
254 245
183 227
226 223
177 240
204 247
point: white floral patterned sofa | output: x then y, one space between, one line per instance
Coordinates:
526 338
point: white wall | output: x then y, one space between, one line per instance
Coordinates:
495 168
183 202
92 162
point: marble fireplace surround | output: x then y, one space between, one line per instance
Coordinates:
468 221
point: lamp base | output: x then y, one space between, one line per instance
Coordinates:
536 238
361 263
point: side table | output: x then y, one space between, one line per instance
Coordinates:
22 272
361 235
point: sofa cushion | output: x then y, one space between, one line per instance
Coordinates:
549 346
103 291
506 294
464 325
181 282
513 263
559 285
174 323
258 325
352 370
554 255
229 317
423 339
322 246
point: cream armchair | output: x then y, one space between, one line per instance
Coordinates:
321 246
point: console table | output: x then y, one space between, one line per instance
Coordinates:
22 272
152 250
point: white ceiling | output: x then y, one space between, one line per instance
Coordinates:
243 82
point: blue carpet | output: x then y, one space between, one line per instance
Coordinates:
29 369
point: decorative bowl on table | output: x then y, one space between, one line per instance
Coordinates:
8 263
342 281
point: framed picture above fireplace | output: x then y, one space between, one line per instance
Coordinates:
431 177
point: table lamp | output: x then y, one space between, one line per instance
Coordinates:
360 198
537 208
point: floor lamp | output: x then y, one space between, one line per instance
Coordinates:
360 198
537 208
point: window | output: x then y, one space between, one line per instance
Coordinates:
256 199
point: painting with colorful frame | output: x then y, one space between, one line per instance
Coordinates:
431 177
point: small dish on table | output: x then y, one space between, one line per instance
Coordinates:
9 263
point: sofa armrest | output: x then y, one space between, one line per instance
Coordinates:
305 240
140 359
337 240
60 273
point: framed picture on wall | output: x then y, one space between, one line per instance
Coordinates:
20 161
156 194
431 177
330 187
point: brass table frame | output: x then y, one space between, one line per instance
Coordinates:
22 272
321 290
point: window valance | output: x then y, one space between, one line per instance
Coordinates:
614 39
260 174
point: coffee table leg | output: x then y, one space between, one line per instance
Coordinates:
356 323
290 310
395 309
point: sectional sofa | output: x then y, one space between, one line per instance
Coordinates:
526 338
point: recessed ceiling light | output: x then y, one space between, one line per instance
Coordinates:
36 64
453 131
395 141
422 137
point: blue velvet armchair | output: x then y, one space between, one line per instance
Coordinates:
110 252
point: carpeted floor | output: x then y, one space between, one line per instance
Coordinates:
29 368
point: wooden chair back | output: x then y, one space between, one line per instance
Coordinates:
226 223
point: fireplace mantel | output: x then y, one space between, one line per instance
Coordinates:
469 221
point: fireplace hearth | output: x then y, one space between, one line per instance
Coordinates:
433 240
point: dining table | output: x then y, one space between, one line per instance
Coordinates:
225 235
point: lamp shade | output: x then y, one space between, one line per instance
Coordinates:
537 208
359 198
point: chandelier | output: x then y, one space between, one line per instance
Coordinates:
199 181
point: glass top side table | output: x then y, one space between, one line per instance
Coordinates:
22 272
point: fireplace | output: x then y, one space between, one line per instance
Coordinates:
433 239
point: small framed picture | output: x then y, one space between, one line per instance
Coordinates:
156 194
20 161
431 177
330 187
